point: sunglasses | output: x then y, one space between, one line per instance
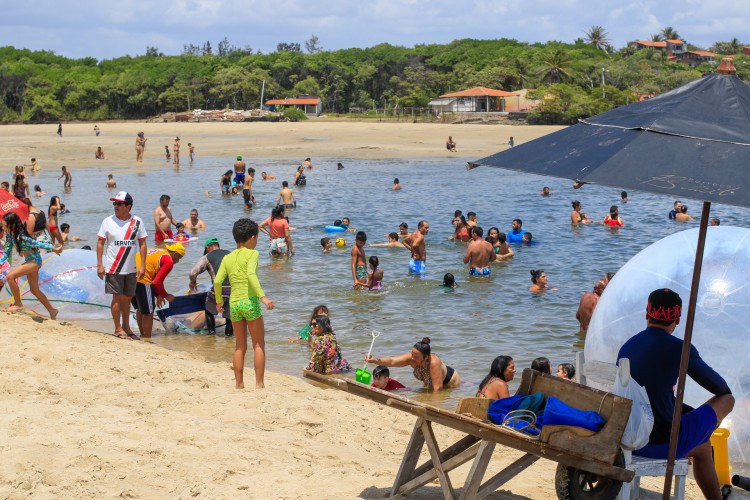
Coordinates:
118 203
313 324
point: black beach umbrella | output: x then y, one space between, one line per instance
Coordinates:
693 141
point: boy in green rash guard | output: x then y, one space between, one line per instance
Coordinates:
241 266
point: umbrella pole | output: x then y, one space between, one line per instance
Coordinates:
686 343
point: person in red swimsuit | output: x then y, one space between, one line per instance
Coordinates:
613 219
381 379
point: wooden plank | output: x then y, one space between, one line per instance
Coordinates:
434 449
411 457
459 446
478 468
430 474
578 458
506 475
476 407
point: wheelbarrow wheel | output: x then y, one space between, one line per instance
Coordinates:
576 484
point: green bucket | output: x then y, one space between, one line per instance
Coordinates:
363 376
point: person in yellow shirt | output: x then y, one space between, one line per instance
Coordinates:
149 290
241 266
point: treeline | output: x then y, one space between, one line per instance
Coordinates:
43 86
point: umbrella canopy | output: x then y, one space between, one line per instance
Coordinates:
693 141
9 203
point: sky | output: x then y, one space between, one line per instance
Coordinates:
109 29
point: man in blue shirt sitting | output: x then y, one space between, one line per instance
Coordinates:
654 356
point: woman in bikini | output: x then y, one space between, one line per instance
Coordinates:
428 367
36 224
495 384
462 229
16 235
54 231
576 216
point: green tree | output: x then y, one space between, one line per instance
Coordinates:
555 67
669 33
597 36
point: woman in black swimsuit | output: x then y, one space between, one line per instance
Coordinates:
428 367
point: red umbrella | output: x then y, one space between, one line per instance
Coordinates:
9 203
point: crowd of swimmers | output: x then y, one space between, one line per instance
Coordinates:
236 281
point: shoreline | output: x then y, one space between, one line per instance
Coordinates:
285 140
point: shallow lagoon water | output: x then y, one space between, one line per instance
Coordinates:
468 326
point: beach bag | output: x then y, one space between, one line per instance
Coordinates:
641 420
519 412
558 413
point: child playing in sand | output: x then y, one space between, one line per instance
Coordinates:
326 244
241 266
304 333
326 355
375 277
381 379
181 235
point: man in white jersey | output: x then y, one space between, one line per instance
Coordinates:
123 235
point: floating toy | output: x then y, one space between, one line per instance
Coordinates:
361 374
335 229
340 242
71 285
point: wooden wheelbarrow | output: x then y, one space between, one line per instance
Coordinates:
590 464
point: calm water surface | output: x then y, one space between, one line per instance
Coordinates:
468 326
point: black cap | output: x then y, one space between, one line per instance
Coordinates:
664 305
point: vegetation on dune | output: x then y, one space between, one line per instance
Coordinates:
572 80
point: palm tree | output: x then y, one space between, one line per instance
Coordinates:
669 33
556 67
597 36
734 46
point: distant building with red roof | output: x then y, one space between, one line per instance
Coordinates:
695 58
476 100
648 44
310 104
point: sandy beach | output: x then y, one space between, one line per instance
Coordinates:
295 141
91 416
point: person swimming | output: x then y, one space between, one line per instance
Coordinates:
449 281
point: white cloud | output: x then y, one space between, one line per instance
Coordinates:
79 28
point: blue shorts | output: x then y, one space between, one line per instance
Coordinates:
416 266
480 271
239 179
696 428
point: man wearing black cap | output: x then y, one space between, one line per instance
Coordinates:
123 235
654 356
211 260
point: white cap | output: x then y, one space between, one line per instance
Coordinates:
124 197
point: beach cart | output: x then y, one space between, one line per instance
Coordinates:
590 464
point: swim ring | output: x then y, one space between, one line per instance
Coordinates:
335 229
